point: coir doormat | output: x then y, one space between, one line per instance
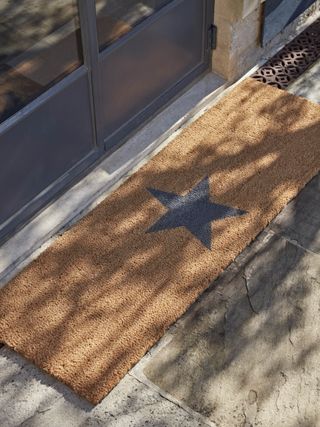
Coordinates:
95 301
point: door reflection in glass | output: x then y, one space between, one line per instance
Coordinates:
39 45
117 17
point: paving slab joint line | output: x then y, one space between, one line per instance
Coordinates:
142 379
293 242
249 252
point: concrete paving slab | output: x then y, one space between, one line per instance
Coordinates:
31 398
300 220
308 85
248 352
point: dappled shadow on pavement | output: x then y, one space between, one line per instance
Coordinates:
248 350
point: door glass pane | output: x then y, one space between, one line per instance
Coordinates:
117 17
40 44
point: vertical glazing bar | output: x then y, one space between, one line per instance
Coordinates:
209 21
88 26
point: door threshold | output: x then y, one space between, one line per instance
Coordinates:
44 228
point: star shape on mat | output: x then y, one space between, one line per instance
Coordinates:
193 211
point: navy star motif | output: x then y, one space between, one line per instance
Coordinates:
193 211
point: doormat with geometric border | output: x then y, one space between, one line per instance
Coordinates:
90 306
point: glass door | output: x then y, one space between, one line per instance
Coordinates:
47 130
77 77
149 50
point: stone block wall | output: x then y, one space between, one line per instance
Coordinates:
239 25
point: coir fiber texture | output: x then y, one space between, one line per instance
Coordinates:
103 293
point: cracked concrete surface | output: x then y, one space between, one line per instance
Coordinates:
246 354
30 398
249 349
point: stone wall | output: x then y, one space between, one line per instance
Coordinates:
239 25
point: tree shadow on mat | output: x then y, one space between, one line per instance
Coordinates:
106 267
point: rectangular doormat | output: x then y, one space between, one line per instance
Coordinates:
89 307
